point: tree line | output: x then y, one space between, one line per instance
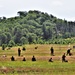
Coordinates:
35 27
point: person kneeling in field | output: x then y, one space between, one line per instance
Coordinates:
33 58
68 52
50 60
12 58
24 59
64 58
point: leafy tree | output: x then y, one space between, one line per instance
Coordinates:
35 27
3 46
8 36
24 40
22 13
44 32
3 38
11 43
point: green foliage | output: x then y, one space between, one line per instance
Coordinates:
11 43
35 27
3 38
3 46
24 40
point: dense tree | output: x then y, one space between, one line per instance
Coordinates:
8 36
22 13
44 32
24 40
11 43
3 38
35 27
17 36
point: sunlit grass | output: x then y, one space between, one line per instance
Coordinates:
38 67
41 66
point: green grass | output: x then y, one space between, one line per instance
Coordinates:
37 68
41 66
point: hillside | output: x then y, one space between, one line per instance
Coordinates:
35 27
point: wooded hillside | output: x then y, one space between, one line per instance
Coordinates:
35 27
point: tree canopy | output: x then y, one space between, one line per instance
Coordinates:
35 27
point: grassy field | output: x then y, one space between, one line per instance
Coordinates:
41 66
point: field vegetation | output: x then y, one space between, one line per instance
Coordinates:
41 66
